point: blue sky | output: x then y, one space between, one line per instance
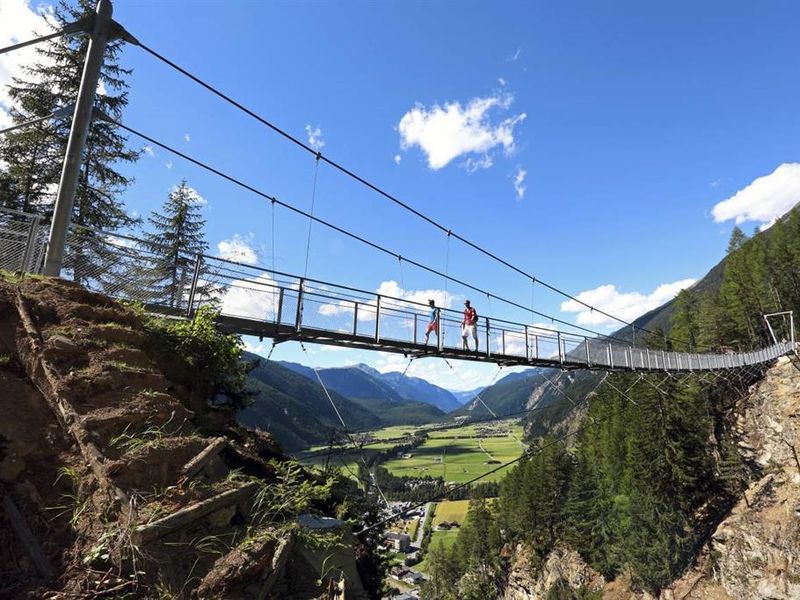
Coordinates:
630 121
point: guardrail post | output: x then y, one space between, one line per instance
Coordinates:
649 365
503 341
415 329
560 348
378 319
298 318
279 312
79 131
610 355
488 339
586 345
536 345
193 289
355 319
439 330
527 349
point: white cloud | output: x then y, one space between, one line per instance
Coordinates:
148 150
187 137
446 132
514 57
315 137
397 159
519 183
168 164
391 289
474 164
763 200
715 183
239 249
19 21
625 305
194 196
254 298
501 81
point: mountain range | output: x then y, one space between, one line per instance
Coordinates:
287 401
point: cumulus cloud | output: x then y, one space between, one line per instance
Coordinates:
19 21
390 289
763 200
397 159
475 164
315 137
445 132
625 305
253 298
519 183
238 248
194 196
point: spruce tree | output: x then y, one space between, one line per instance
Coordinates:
176 238
33 155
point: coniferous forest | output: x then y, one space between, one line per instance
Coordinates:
653 467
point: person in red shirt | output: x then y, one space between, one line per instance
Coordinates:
469 325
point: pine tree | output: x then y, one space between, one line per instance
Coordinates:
34 155
176 238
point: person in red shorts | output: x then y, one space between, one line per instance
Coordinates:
469 325
433 322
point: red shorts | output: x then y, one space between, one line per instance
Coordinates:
433 326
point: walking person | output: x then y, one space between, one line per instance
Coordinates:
433 322
469 325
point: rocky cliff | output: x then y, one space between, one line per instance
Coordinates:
754 552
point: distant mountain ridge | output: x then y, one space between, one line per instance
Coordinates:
288 401
362 382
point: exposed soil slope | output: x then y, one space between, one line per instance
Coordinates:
118 481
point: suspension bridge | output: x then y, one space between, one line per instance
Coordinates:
263 302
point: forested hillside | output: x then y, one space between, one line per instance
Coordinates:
294 409
287 401
654 467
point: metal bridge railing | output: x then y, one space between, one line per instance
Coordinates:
276 303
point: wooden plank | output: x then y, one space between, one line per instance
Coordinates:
198 463
144 534
29 542
279 560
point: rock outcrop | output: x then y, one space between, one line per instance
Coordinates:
562 567
755 552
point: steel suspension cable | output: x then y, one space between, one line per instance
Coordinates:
351 235
310 219
339 167
347 431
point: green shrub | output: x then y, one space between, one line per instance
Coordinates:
217 355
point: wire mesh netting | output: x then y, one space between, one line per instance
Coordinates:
23 240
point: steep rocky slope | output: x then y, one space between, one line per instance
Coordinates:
119 480
754 552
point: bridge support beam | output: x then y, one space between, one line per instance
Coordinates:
79 131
